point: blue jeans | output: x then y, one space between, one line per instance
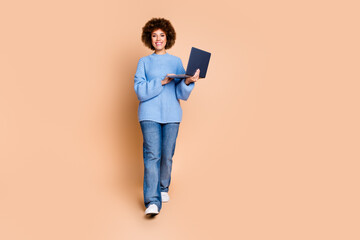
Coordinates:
158 150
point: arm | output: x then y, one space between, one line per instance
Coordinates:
183 89
144 89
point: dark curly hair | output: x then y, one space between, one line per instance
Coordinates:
158 23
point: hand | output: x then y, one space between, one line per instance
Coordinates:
193 78
167 79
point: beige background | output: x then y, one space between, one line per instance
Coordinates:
269 143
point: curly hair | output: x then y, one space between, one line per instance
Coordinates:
154 24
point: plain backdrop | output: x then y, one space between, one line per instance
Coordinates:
269 143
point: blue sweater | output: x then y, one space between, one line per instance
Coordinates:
160 103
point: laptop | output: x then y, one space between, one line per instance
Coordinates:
198 59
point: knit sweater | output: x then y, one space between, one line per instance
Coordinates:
160 103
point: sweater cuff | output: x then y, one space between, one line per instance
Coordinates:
158 84
183 91
187 88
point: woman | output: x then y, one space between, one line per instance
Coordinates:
159 111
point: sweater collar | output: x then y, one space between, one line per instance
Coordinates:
154 54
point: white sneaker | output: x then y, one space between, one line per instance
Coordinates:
152 210
165 197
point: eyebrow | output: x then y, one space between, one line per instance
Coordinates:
160 33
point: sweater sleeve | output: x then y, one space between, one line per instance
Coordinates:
182 90
144 89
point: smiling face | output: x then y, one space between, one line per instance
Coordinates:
158 39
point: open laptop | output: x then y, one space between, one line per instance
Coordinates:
198 59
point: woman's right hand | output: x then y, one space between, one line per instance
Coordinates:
167 79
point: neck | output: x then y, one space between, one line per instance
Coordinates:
160 52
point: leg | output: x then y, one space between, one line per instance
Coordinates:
170 132
152 156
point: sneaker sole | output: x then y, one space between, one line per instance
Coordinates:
151 214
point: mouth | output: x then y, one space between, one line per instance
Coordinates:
158 43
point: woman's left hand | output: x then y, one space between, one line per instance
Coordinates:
193 78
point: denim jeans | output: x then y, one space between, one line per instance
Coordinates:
158 150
